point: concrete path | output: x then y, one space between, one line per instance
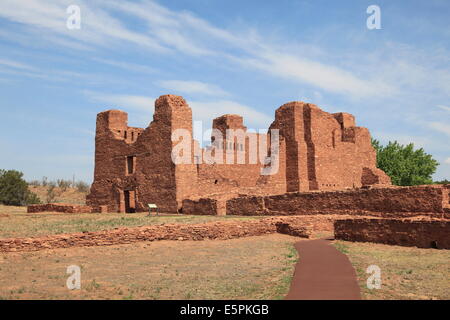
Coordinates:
322 273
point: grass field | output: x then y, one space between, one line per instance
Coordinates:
406 272
16 222
246 268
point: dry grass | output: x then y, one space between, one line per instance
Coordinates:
70 195
406 272
245 268
15 222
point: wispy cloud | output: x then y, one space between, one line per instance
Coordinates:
122 101
127 65
441 127
192 87
182 32
16 65
98 28
204 111
207 110
445 108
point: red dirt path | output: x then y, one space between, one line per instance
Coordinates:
322 273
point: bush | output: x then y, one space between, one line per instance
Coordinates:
14 189
34 183
405 166
51 192
82 186
64 184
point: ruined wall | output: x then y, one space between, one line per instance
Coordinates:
155 178
317 151
220 230
417 233
325 151
241 160
204 206
393 201
58 207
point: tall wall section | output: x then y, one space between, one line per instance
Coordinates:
154 177
325 151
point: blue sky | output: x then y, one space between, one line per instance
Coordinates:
246 57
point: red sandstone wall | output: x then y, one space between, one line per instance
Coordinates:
318 151
59 207
156 178
325 151
404 201
221 230
200 207
421 233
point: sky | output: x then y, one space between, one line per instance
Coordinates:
245 57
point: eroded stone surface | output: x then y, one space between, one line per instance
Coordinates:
422 233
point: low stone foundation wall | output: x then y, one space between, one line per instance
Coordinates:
59 207
384 202
402 232
202 206
301 226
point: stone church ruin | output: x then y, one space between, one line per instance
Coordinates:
317 151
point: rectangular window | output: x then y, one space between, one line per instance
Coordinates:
131 164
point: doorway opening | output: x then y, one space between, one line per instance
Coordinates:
130 201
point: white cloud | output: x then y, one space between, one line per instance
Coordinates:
447 161
207 111
180 31
15 64
97 27
445 108
441 127
119 101
126 65
192 87
204 111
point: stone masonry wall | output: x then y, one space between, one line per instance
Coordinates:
418 233
317 151
59 207
393 201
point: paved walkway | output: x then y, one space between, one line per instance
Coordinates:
322 273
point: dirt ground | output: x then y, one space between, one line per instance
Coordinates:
246 268
406 272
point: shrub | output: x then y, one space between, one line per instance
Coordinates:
51 192
64 184
14 189
34 183
82 186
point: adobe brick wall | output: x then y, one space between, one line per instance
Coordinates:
417 233
393 201
59 207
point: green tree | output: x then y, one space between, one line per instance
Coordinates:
14 189
405 166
